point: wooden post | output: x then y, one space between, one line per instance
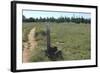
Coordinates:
48 36
52 52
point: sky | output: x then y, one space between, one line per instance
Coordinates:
43 14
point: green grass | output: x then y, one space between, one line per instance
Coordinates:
72 39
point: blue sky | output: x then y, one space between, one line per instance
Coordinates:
38 14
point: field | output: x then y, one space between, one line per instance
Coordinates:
72 39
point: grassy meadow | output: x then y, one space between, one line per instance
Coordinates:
71 38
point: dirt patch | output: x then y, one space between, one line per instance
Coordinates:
29 46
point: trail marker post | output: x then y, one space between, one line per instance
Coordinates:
52 51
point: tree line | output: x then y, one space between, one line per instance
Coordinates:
57 20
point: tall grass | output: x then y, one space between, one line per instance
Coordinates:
72 39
